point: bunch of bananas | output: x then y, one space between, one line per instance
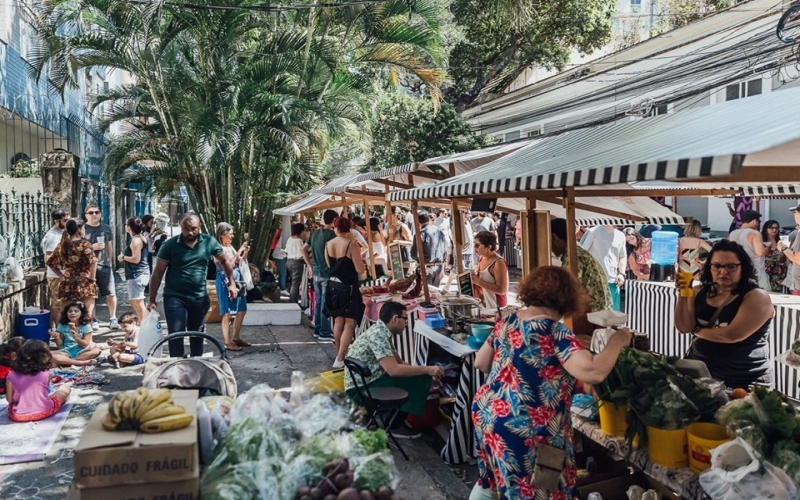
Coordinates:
148 411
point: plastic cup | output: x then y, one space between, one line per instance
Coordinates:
101 239
686 283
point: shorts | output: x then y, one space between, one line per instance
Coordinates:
137 358
136 287
105 281
39 415
52 288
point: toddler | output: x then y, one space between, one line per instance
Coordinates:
27 386
8 353
125 351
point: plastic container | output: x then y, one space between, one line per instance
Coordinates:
34 325
481 332
434 321
664 249
667 448
423 312
613 419
702 438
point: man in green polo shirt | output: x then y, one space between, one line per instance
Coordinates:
184 260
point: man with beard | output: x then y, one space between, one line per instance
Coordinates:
184 260
49 244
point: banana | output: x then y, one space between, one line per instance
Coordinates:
141 395
108 422
163 410
165 424
154 399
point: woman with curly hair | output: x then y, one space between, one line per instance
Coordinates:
775 262
28 385
77 263
729 317
533 361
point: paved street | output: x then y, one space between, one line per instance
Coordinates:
276 353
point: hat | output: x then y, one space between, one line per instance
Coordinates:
750 216
795 209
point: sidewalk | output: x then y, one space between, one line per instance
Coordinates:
276 352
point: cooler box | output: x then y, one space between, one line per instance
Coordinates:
34 325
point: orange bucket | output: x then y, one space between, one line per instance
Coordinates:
702 438
613 419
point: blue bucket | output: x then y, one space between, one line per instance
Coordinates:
34 325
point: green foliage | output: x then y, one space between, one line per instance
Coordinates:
24 169
407 128
372 441
504 37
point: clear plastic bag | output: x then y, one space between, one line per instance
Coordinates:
737 472
376 470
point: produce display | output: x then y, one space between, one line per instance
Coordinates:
769 424
148 411
307 449
657 394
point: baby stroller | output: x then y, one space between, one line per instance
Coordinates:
212 376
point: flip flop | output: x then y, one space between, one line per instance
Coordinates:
242 343
232 347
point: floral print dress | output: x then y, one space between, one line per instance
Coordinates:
75 283
525 401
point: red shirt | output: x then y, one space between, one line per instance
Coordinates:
276 240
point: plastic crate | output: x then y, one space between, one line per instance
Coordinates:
336 377
435 321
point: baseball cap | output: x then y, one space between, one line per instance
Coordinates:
795 209
750 215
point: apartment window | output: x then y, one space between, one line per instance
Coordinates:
743 89
534 133
636 2
662 109
512 136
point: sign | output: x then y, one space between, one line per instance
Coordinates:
396 261
465 284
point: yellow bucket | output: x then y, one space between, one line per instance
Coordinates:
704 437
335 378
613 419
667 448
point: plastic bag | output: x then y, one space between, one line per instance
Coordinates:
244 268
737 472
14 270
150 332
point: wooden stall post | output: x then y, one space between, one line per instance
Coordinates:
420 253
541 229
456 229
369 235
525 243
389 215
572 244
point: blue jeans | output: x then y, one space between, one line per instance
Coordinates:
186 315
281 263
322 325
615 297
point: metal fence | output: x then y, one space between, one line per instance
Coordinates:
24 219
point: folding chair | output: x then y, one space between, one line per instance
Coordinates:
382 403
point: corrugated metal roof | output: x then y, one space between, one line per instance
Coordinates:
303 205
695 143
469 160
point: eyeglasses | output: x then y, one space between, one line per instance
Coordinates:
477 245
93 212
404 318
728 267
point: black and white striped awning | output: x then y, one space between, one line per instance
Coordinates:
701 142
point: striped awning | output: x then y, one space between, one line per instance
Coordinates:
302 205
766 190
338 185
701 142
470 160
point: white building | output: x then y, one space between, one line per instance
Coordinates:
728 55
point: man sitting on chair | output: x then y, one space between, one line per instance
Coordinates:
375 349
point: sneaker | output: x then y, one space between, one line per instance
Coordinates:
338 364
405 432
95 325
323 339
113 324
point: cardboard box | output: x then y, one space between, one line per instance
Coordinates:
112 458
187 489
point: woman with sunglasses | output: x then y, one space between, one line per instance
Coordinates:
729 317
774 262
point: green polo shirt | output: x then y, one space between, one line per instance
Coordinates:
187 266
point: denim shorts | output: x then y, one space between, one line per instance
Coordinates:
136 287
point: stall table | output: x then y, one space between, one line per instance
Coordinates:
650 307
460 444
682 481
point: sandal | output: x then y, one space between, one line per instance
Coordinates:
232 347
242 343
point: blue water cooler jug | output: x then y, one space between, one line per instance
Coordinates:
663 255
34 325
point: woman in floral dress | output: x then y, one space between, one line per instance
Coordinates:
533 361
77 263
775 262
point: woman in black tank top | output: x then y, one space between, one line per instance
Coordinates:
729 317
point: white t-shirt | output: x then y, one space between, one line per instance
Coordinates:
294 247
608 247
49 243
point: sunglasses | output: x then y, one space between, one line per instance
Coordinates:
93 212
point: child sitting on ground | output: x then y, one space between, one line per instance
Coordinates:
125 351
28 385
8 353
73 336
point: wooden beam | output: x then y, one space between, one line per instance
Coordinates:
420 251
428 175
528 242
396 184
456 228
542 232
369 236
391 224
572 244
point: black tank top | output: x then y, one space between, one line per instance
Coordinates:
739 364
344 269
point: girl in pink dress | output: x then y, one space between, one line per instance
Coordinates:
28 385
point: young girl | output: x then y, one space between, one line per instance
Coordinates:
126 351
74 337
8 353
27 387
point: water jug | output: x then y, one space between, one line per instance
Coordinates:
664 249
